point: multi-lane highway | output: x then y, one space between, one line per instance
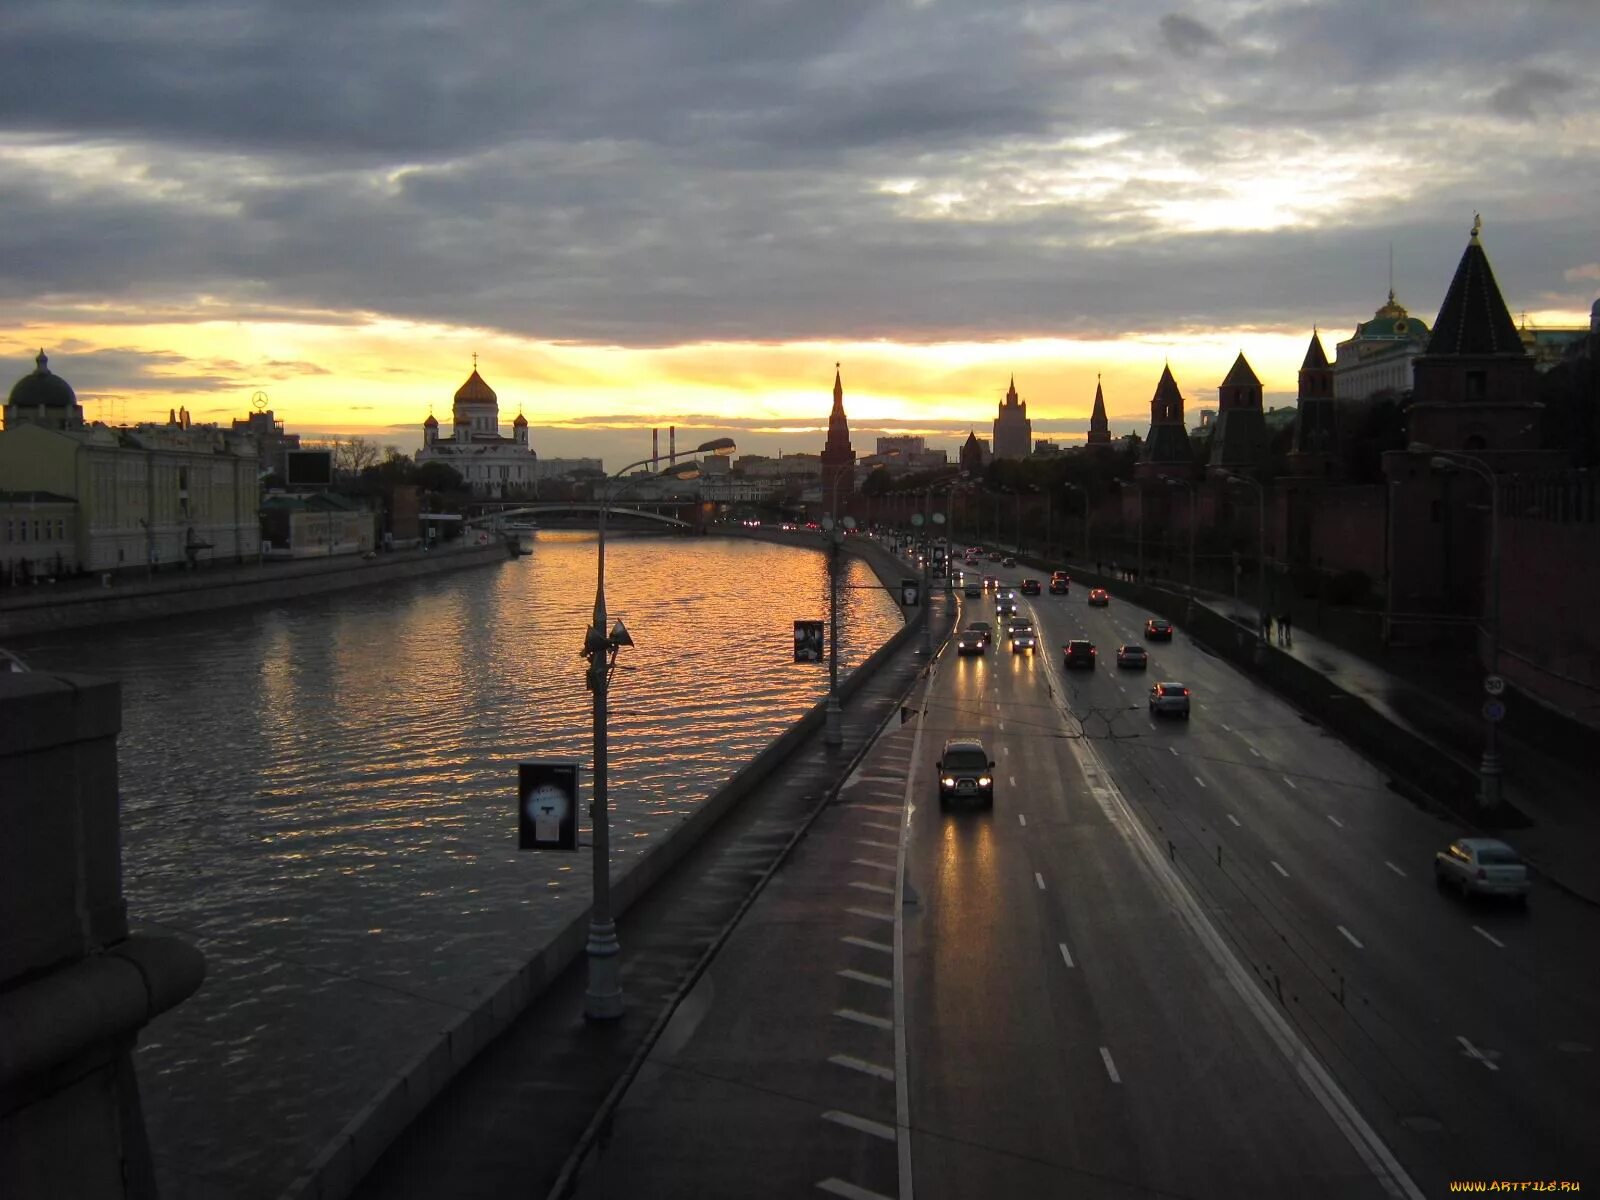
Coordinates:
1093 977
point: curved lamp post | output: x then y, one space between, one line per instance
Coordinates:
1450 460
602 1001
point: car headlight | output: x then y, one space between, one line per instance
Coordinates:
948 781
984 781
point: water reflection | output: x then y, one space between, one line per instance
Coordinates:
322 795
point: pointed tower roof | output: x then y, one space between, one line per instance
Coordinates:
837 448
1099 427
1316 357
1474 319
1167 389
1241 375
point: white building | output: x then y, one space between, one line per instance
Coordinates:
489 463
1378 356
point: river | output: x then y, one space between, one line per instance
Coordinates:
321 796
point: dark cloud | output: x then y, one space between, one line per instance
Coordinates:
645 174
1185 36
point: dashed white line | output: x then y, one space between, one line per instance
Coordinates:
1039 879
1474 1052
1226 727
1066 955
862 1065
1278 869
865 944
876 866
872 887
1235 821
873 913
861 1018
860 1124
1494 940
863 977
876 845
1022 819
1351 938
1291 783
1173 750
881 825
850 1191
1336 820
1254 751
1111 1067
1200 781
1012 779
1394 868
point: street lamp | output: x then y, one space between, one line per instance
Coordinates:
602 1001
1261 548
1450 460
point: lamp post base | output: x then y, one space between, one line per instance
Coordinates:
833 723
602 1001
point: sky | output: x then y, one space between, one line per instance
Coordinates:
674 212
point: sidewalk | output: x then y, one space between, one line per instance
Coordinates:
1554 819
542 1092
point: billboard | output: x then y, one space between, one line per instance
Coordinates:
308 468
808 641
547 806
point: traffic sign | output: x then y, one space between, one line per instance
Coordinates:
1493 710
1494 684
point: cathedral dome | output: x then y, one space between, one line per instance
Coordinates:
431 423
42 388
521 422
476 391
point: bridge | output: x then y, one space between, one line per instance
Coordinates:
584 508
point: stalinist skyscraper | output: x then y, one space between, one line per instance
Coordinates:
1013 432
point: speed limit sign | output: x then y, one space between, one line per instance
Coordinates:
1494 685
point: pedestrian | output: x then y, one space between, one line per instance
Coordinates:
1284 630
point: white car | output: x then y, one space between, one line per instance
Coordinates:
1483 867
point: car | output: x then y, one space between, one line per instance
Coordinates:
975 638
974 587
1169 696
1005 608
1005 595
990 583
1023 636
1133 657
1008 561
1078 653
994 556
966 772
1482 867
1158 629
1060 583
1030 587
1099 598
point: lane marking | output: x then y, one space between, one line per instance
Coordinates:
1227 728
1235 821
876 845
876 866
1290 782
1365 1140
1336 820
850 1191
860 1124
1494 940
1001 725
1039 879
891 809
873 913
878 779
1200 781
850 1014
862 1065
1474 1052
1022 819
1394 868
882 826
872 887
1351 938
1111 1067
1254 751
1012 779
863 977
880 947
1279 869
902 1087
1066 955
1173 749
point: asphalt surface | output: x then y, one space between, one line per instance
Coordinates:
1200 958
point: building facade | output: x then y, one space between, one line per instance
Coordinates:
489 463
1013 432
1378 357
838 460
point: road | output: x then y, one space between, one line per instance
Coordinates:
1199 958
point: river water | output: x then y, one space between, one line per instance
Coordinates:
322 797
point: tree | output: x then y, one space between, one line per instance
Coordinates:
439 477
351 456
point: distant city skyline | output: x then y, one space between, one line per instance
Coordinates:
340 212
